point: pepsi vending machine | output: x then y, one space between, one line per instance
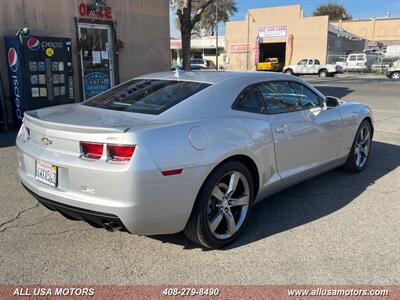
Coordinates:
40 72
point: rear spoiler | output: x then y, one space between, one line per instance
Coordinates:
34 119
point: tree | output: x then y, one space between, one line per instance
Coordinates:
191 12
334 10
206 25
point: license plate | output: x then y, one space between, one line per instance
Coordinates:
46 173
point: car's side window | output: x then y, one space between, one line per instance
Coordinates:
303 62
308 99
249 100
317 62
352 57
360 57
279 97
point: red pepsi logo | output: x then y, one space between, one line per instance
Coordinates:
33 43
13 59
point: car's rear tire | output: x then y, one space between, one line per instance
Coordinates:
360 150
222 207
395 76
323 73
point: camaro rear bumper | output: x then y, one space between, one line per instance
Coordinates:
94 218
137 197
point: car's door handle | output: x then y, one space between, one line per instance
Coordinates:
281 129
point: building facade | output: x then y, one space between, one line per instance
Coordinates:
116 39
385 31
284 33
202 48
281 32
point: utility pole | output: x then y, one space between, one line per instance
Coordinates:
216 34
248 41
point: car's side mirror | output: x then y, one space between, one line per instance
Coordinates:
332 101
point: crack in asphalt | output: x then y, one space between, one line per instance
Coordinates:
44 219
17 216
67 231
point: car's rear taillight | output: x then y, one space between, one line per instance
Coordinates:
91 150
120 153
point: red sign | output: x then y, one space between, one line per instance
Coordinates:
240 48
176 44
103 13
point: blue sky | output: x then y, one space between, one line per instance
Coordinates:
360 9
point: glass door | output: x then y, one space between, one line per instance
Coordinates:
96 54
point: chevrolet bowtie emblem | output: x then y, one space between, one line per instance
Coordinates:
45 141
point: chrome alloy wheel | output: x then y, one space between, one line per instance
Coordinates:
228 205
362 147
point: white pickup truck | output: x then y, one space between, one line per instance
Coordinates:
312 66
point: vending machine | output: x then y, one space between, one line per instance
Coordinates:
40 72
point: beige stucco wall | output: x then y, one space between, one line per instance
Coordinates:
310 34
144 29
374 29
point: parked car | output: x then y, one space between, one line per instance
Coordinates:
187 151
310 66
393 51
270 64
199 64
359 62
202 64
382 64
393 72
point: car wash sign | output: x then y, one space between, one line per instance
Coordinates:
272 31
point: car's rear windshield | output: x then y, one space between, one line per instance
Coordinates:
147 96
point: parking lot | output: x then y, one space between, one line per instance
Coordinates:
338 228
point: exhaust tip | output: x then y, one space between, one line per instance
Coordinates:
111 226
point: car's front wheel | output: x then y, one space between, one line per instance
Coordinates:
395 76
222 207
359 153
289 71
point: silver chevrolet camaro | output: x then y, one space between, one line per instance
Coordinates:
187 151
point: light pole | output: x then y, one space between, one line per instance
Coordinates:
216 34
248 39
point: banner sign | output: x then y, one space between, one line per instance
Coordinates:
272 31
221 292
240 48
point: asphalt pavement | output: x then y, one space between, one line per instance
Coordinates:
338 228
